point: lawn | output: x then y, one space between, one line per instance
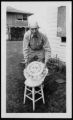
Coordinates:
55 93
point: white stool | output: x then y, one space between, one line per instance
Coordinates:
33 85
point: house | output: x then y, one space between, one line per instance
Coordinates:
54 26
17 23
56 31
58 42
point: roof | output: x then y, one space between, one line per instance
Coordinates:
13 10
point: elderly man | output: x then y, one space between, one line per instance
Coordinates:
35 45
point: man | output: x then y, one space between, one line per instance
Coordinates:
35 45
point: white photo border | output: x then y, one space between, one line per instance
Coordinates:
68 113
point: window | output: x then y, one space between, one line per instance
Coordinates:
63 39
19 17
61 22
24 18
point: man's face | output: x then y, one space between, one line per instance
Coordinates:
34 30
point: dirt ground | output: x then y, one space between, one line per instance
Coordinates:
55 93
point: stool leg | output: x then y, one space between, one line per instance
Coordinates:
25 93
42 93
33 96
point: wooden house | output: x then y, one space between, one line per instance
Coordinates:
55 27
17 23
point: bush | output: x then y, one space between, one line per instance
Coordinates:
63 69
55 65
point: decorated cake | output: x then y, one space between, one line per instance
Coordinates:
35 71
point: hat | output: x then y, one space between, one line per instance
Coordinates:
33 25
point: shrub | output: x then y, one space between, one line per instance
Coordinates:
55 65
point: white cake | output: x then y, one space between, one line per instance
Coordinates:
35 71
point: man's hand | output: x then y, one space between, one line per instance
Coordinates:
26 64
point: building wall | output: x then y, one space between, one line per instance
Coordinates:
12 20
57 46
50 28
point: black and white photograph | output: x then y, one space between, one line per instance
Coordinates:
36 61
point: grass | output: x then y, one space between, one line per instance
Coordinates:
55 93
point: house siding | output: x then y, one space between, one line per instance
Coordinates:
58 48
12 20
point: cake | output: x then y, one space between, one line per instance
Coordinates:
35 71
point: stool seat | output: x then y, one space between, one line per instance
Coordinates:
33 83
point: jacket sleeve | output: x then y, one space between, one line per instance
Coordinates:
47 49
25 47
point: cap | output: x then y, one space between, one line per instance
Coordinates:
33 25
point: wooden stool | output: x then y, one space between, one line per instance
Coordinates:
33 92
